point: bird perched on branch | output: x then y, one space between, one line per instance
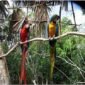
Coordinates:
24 35
53 31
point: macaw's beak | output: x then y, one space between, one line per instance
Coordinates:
58 17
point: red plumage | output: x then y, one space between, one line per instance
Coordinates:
24 33
23 37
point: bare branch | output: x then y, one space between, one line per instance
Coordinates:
43 39
63 73
72 64
79 69
10 50
61 36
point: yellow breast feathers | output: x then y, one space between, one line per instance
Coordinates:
51 29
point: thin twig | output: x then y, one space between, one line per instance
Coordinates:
63 74
79 69
72 64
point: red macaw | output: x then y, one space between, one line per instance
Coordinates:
24 35
53 32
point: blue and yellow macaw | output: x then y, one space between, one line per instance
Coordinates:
53 31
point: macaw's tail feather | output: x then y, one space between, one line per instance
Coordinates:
52 60
22 79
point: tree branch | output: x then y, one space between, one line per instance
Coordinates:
63 73
10 50
56 38
43 39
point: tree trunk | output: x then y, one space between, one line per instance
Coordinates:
74 17
41 14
